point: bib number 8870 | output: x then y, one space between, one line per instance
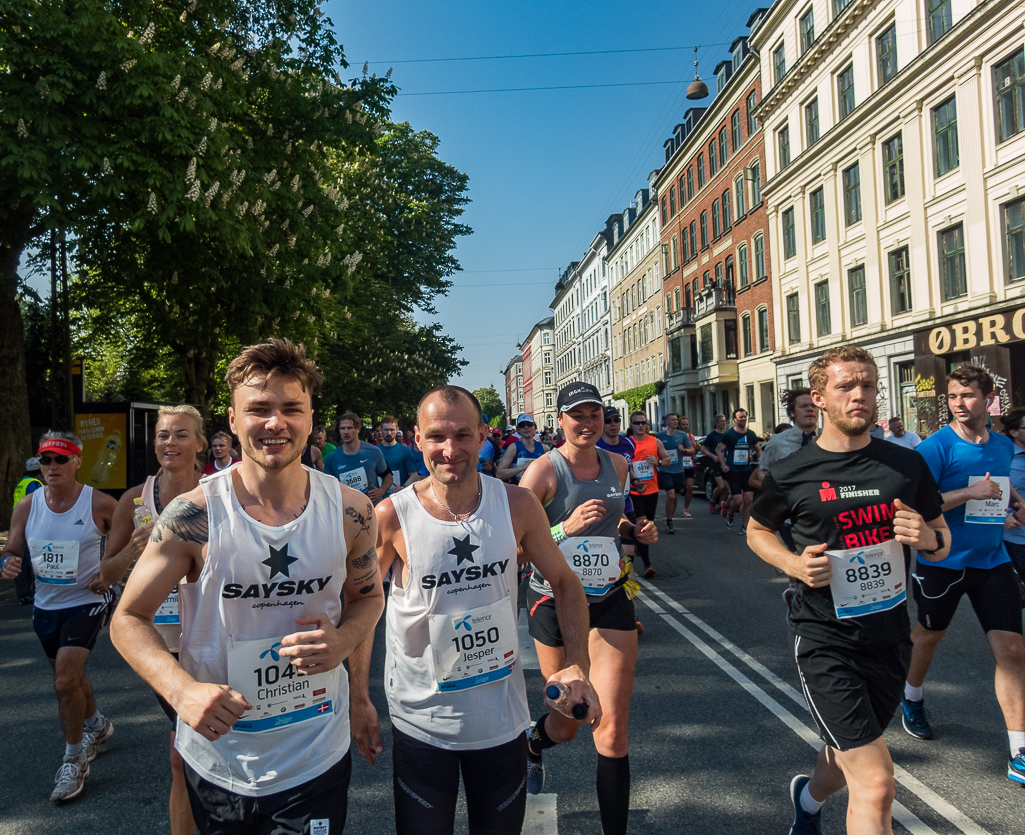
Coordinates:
466 643
588 560
869 572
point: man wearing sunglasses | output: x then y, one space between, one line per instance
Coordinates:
61 529
520 452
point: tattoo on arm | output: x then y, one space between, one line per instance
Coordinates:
361 519
185 519
368 559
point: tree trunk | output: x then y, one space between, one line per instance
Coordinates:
15 433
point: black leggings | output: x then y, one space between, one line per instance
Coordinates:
645 506
425 783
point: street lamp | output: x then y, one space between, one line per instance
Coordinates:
697 89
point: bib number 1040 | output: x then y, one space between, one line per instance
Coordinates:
272 674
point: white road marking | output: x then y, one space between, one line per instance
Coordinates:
542 816
528 652
903 815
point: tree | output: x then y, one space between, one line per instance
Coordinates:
490 402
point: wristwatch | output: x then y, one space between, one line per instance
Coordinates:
939 544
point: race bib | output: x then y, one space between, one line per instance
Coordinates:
594 559
473 648
687 462
643 470
396 482
168 611
356 479
740 455
55 563
674 455
280 696
988 511
867 580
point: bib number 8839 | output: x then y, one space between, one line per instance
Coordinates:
869 572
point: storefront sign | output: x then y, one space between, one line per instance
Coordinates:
991 329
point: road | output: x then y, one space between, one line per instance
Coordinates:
718 727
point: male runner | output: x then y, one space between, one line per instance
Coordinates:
282 584
901 435
710 445
972 467
61 529
520 451
804 414
220 446
321 442
673 479
356 463
856 503
396 455
454 683
689 471
737 451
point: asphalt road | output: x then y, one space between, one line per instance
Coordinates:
718 727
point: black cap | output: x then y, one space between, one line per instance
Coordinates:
611 412
576 394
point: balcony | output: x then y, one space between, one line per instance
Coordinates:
713 298
677 319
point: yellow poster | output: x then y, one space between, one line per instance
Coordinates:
104 453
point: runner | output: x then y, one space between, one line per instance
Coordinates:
1014 532
261 696
709 445
673 479
396 455
61 529
856 504
901 436
583 493
321 442
25 582
463 707
689 468
649 454
520 451
801 409
358 464
178 442
972 467
220 446
738 450
311 456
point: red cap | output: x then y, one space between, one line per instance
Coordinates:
59 445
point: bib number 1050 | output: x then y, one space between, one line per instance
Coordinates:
475 640
864 573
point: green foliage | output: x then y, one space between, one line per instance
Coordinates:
637 396
491 403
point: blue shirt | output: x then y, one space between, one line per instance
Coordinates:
672 444
626 447
953 460
1018 483
400 461
361 471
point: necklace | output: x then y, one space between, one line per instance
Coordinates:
460 516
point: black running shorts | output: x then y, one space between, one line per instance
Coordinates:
612 611
993 593
738 481
425 782
852 694
316 806
674 481
76 626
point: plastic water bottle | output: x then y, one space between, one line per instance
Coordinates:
142 514
557 697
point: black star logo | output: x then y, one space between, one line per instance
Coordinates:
278 561
463 550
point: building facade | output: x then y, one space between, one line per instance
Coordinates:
542 370
895 175
514 387
595 334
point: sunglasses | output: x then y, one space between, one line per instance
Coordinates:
47 460
613 420
518 425
639 422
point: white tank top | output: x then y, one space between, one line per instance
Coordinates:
452 675
167 620
65 549
256 580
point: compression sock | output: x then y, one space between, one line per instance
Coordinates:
95 722
1017 741
809 803
73 750
539 739
913 694
613 793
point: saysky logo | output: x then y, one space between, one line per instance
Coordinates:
272 651
464 624
827 493
859 558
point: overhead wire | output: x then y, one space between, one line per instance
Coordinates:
540 55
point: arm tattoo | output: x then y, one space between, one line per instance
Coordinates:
361 519
185 519
368 559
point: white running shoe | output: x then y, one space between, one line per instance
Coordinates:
70 778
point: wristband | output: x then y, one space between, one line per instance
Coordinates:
558 534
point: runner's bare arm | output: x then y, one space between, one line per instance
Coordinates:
663 456
506 470
755 479
811 566
125 542
15 550
540 480
984 488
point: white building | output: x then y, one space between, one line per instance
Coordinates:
514 387
542 371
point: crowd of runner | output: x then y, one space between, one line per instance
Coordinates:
252 572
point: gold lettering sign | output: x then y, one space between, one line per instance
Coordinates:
992 329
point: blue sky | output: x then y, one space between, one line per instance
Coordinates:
546 167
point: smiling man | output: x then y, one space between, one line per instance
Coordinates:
282 585
356 463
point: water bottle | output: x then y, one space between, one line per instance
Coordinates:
142 514
557 696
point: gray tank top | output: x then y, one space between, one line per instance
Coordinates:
595 554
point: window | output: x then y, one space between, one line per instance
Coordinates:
690 184
1009 84
672 201
886 54
686 244
893 163
756 182
730 333
940 19
548 378
701 171
724 150
852 194
706 343
811 121
735 129
807 28
845 91
704 229
944 126
745 334
759 256
676 297
548 404
817 205
1014 239
665 216
745 274
783 142
713 159
763 328
839 6
547 356
718 275
727 218
900 281
738 189
675 249
859 297
693 239
952 264
779 63
793 318
752 120
707 278
716 221
789 234
822 320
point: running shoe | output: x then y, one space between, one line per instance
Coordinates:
743 530
724 509
915 719
669 526
713 508
729 521
804 823
686 514
89 746
103 733
640 629
649 572
535 770
1016 768
70 778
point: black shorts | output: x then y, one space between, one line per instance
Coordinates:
612 611
316 806
993 593
852 694
425 783
673 481
76 626
738 481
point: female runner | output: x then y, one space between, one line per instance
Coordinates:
581 489
178 443
649 455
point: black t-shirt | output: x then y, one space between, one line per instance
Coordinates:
745 442
845 499
712 440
